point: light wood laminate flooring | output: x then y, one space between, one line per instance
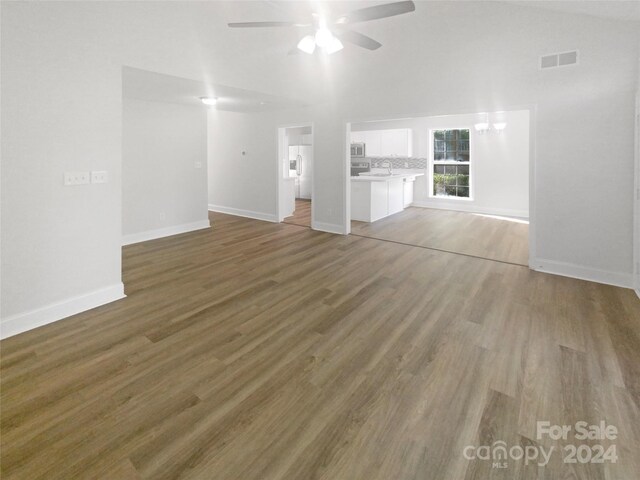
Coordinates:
262 351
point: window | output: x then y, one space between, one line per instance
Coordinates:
451 164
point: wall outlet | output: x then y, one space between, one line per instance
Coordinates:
198 164
99 177
76 178
162 216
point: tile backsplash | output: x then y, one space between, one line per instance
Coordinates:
398 162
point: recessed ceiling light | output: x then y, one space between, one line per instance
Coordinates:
209 100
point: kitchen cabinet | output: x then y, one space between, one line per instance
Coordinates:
373 143
370 199
388 143
385 143
375 197
395 197
396 142
408 191
357 137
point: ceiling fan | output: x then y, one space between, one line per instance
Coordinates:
331 32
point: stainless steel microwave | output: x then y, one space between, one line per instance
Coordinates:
357 150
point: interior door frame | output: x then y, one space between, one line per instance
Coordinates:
531 108
636 201
283 149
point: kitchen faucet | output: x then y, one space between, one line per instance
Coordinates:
389 165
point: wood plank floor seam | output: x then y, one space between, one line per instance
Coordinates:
421 246
418 221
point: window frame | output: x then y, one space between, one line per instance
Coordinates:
432 163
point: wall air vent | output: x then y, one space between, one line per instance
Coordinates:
555 60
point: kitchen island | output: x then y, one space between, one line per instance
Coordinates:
378 195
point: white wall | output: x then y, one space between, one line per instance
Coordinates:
61 111
501 168
164 169
243 184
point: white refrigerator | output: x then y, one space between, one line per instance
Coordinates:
301 167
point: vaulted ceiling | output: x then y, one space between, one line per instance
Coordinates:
627 10
258 60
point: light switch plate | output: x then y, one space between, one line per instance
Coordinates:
76 178
198 164
100 176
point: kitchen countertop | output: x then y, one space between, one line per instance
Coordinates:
376 178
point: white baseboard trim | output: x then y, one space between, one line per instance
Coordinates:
504 212
267 217
164 232
329 228
617 279
22 322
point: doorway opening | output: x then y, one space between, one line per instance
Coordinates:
295 175
455 183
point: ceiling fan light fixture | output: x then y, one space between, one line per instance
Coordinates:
333 47
307 44
324 37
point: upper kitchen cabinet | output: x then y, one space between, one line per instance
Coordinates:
385 143
373 143
396 142
358 137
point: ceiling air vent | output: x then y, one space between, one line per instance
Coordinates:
563 59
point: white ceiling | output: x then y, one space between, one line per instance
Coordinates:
152 86
257 60
628 10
